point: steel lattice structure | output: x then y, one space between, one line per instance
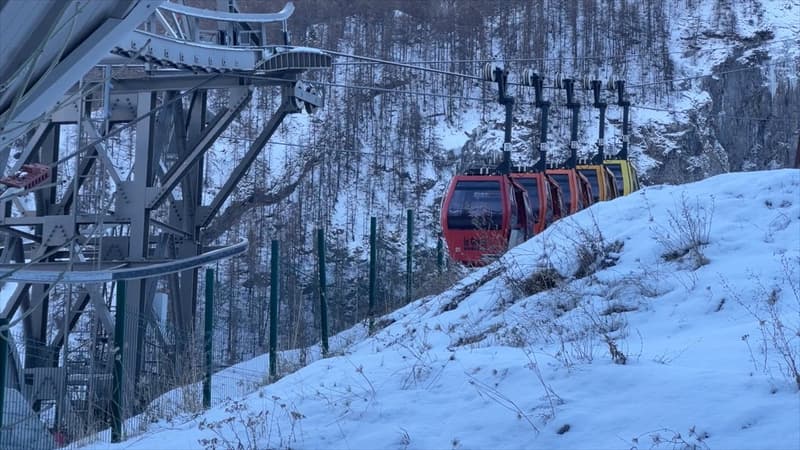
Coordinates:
67 240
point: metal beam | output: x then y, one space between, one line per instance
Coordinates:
143 169
75 311
85 273
209 212
239 98
183 82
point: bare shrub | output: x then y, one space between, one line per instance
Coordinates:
616 354
687 231
666 438
440 283
418 352
594 256
778 335
247 429
611 326
405 438
552 399
576 340
594 253
477 337
542 279
512 336
489 392
462 292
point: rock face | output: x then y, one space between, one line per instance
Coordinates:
756 117
749 123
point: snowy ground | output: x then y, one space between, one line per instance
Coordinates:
487 365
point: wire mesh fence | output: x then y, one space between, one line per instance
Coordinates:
48 406
109 376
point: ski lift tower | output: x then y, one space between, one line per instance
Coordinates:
84 78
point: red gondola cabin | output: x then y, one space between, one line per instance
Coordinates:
483 216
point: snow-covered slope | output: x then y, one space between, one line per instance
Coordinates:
672 323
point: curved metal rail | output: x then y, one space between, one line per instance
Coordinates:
174 53
15 273
173 39
201 13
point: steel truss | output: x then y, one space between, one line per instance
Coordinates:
66 241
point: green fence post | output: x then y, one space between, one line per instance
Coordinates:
440 255
409 250
373 256
116 386
323 303
274 291
209 337
4 332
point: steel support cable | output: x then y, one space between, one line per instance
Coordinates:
724 115
373 88
443 72
408 66
339 150
484 61
697 77
543 59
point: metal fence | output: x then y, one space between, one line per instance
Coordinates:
67 397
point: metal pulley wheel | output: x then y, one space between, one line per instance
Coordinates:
529 77
586 83
310 108
299 103
489 71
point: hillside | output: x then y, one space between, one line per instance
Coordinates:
666 319
713 86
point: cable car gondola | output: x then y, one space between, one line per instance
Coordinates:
483 216
544 195
601 179
624 175
623 170
575 188
485 212
540 198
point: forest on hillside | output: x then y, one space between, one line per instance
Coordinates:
713 85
